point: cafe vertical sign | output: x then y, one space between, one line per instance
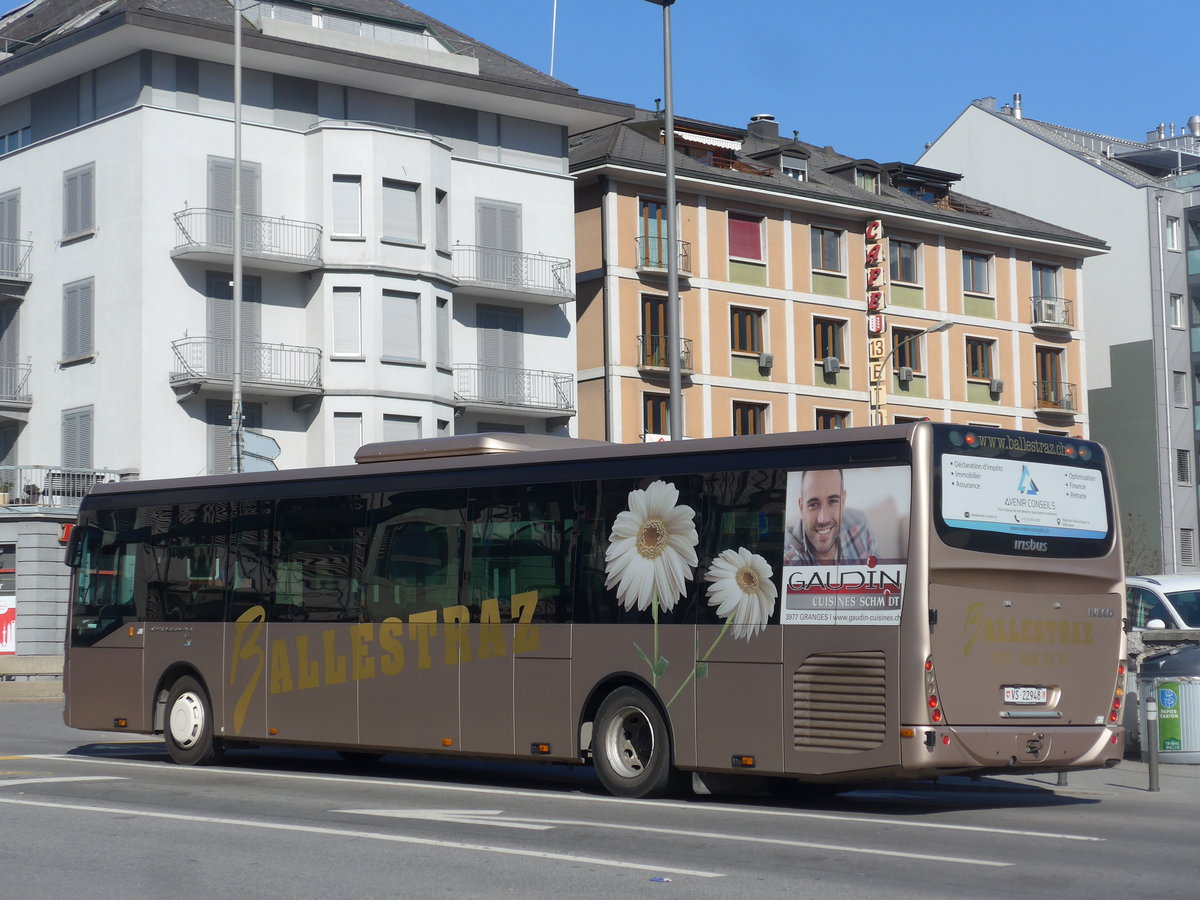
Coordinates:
876 320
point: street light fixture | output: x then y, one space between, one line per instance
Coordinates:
674 344
876 407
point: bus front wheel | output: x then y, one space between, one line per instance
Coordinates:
631 747
188 728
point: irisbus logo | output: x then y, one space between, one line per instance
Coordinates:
1026 544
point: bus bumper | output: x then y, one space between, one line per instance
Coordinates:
1044 748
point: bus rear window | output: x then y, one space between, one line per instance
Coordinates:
1022 494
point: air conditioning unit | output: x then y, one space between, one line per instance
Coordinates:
832 365
766 360
1052 311
905 373
997 386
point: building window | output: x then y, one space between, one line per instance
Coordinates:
745 237
1172 233
1183 467
1187 546
78 316
867 180
979 358
831 418
906 349
1045 282
1177 311
401 428
827 249
977 269
77 438
347 437
15 140
794 167
347 322
745 330
904 261
655 414
347 206
401 212
79 201
1179 382
443 332
441 213
401 326
749 418
827 340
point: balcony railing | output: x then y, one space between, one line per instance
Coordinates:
14 260
14 383
58 486
514 271
211 231
199 359
1054 395
517 388
1053 312
653 352
652 254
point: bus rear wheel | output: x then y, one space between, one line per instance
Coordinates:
188 726
631 747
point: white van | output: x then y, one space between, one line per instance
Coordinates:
1162 601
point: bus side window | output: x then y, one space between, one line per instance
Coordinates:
317 563
414 558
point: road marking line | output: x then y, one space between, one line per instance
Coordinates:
475 817
455 816
588 798
369 835
11 782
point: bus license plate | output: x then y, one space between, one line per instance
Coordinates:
1013 694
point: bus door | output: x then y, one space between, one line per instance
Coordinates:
845 564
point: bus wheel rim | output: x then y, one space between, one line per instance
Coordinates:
629 742
187 719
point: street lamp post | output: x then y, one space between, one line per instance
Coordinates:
674 344
876 406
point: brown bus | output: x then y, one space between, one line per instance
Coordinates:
837 606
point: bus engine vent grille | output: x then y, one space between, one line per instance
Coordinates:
839 702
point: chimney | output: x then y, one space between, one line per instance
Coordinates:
764 126
1016 108
1193 125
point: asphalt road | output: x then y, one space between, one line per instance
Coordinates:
100 816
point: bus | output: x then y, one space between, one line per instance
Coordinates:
832 607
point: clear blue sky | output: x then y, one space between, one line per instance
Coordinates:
873 79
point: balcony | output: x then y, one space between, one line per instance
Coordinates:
513 275
652 256
653 354
58 487
1052 313
15 399
14 268
533 392
282 245
1055 397
277 369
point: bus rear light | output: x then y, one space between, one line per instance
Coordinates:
933 701
945 740
743 762
539 748
937 716
447 742
1112 717
908 732
929 664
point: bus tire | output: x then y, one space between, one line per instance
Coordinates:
631 747
188 724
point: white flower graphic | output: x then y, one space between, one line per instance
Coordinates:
741 589
652 549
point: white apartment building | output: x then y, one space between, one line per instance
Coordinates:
408 249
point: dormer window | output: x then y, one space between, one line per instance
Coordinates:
794 167
867 179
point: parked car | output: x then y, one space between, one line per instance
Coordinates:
1162 601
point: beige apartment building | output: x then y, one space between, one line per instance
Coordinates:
816 291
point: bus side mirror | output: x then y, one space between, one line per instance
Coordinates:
74 553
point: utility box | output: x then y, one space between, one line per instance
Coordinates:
1173 678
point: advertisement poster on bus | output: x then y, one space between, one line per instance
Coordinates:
845 550
8 624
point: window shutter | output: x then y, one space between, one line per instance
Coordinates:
401 213
1187 547
77 319
401 325
401 428
9 344
10 219
443 331
347 205
347 337
745 236
79 212
498 225
77 438
347 437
